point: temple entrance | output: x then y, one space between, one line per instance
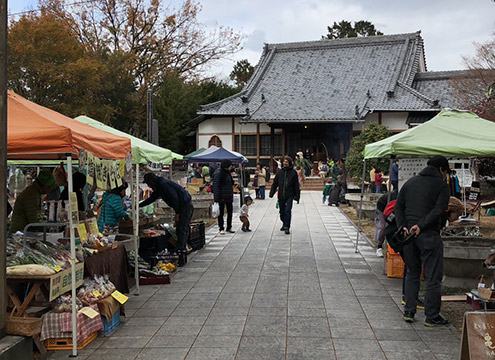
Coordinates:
317 139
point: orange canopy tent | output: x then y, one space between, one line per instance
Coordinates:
36 132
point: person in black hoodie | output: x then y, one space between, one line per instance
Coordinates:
223 194
287 184
420 209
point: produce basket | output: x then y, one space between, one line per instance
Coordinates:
24 326
66 343
149 278
197 235
114 321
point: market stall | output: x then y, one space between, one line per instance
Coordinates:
38 133
143 153
452 133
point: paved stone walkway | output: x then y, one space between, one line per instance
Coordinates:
267 295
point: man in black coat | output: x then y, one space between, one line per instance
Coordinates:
178 199
223 194
421 209
287 184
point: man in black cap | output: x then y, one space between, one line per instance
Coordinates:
177 198
420 209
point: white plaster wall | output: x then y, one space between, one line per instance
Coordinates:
215 125
395 120
205 139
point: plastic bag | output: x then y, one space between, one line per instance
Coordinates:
215 210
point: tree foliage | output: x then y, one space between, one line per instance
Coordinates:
242 72
354 159
345 29
99 58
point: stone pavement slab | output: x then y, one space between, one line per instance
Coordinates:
268 295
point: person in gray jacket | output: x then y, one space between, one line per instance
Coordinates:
420 210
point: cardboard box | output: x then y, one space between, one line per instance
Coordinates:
61 282
486 293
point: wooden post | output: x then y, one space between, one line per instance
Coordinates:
272 150
3 159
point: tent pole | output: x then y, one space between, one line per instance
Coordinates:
72 207
136 230
360 206
463 190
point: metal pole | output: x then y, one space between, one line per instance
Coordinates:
149 115
72 207
136 230
3 160
360 206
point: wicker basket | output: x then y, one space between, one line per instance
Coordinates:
24 326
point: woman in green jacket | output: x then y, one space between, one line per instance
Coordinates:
112 210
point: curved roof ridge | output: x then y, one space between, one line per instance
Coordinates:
440 74
423 97
364 40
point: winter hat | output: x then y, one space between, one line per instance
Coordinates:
439 161
45 178
225 163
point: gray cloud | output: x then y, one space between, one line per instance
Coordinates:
255 40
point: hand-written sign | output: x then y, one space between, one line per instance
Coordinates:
121 298
478 336
61 282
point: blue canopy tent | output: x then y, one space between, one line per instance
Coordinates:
216 154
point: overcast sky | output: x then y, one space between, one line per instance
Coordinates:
449 27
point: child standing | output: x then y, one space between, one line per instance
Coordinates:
244 215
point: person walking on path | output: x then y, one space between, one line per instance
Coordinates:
420 209
372 179
378 181
288 190
223 194
394 176
178 199
261 173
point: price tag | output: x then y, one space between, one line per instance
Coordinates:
96 293
121 298
89 312
81 230
92 251
57 268
93 227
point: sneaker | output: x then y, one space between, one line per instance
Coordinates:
287 231
408 316
379 252
244 230
282 229
230 231
248 230
438 321
222 232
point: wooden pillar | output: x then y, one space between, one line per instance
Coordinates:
233 136
258 143
272 149
379 118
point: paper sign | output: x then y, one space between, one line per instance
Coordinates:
96 293
89 312
93 227
61 282
81 230
92 251
121 298
57 268
74 212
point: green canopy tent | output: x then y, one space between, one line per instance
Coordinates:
142 152
194 153
452 133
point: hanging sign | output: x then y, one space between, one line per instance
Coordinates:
74 211
81 231
82 159
91 169
93 227
128 162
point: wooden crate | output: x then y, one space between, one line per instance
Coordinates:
395 265
66 343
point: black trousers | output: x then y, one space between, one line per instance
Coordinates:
222 204
427 250
183 225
